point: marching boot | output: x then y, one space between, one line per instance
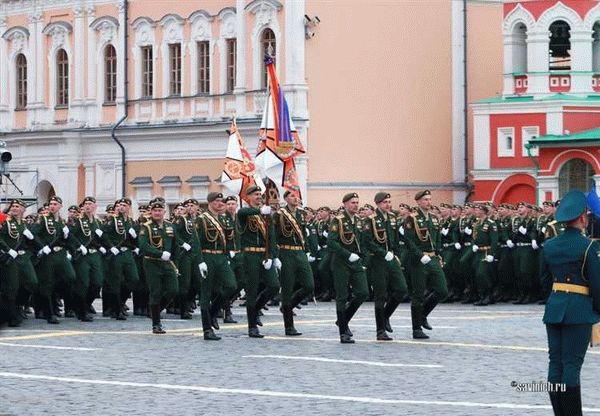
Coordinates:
229 316
183 307
380 325
345 323
82 309
49 311
345 337
209 334
288 322
106 303
417 320
556 405
214 311
156 326
252 317
117 308
14 317
390 308
570 401
429 304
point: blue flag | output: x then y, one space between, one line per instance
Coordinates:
593 201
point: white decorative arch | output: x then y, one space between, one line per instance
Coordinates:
201 30
106 31
59 32
227 30
18 37
265 12
172 32
144 35
559 12
517 15
592 16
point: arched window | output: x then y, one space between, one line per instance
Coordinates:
21 82
110 74
268 47
560 46
576 174
520 48
62 79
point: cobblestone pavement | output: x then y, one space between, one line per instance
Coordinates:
110 367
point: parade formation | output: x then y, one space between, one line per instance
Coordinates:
282 255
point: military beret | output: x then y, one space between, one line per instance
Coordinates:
88 198
421 194
80 205
380 196
157 199
309 209
445 205
124 201
190 201
180 205
110 207
157 205
39 211
143 207
212 196
349 196
456 206
548 203
252 189
572 205
230 198
369 206
17 202
56 199
287 193
403 205
324 208
73 208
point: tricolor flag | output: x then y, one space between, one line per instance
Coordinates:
279 141
239 172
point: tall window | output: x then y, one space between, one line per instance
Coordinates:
231 51
110 74
203 68
62 79
268 48
175 69
21 82
560 46
576 174
147 72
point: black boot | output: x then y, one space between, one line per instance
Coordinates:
380 324
117 309
14 317
429 304
288 322
209 334
229 316
156 326
347 328
82 309
183 307
345 335
49 311
390 307
252 318
555 400
416 315
570 401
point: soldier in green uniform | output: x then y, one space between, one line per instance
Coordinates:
523 239
422 232
232 234
324 279
465 227
389 284
451 246
506 280
219 285
53 267
485 246
572 266
140 290
159 248
193 207
296 278
345 241
18 274
118 237
404 211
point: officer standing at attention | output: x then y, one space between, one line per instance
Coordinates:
573 271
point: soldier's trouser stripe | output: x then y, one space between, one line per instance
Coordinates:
282 394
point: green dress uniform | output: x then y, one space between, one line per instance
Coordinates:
506 282
485 247
87 263
324 258
18 274
159 249
451 250
573 275
53 267
312 242
220 285
523 234
232 235
389 283
345 242
422 232
119 242
296 277
256 232
467 274
188 261
140 294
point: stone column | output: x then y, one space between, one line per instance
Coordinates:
240 70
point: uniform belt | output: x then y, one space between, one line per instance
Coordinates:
92 250
255 250
485 247
293 248
214 251
429 253
446 245
570 288
123 248
21 252
522 244
467 244
153 258
56 249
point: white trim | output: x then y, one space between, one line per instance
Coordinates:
201 31
528 133
482 140
502 136
266 18
519 14
227 30
553 167
458 104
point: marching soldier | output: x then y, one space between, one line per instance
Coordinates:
324 255
345 243
232 234
389 284
485 245
505 259
297 280
422 232
572 270
260 256
451 246
159 248
465 227
523 239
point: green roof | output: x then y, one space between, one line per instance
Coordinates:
530 98
586 136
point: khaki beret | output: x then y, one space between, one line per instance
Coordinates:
421 194
349 196
381 196
190 201
88 198
56 198
230 198
213 196
253 189
17 202
157 205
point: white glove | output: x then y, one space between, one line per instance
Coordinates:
28 234
232 254
353 257
132 233
203 270
457 246
137 251
13 253
444 231
265 210
65 231
310 258
267 264
99 232
543 230
401 229
389 256
102 250
522 230
46 250
534 245
114 251
468 231
69 257
186 247
475 248
277 264
510 244
325 234
166 256
425 259
489 258
83 250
